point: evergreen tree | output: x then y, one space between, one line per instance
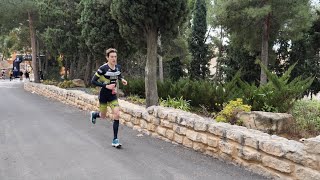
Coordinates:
142 22
197 44
263 22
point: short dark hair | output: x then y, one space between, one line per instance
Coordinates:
110 50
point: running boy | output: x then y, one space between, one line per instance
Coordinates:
106 77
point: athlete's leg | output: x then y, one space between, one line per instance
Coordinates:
115 116
99 114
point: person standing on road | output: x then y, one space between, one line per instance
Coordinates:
106 77
26 74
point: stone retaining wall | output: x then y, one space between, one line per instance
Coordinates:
271 156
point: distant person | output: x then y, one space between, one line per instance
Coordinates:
11 76
27 75
3 74
41 75
21 75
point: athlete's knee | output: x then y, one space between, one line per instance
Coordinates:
116 114
102 115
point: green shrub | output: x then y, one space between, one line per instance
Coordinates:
177 103
230 111
278 95
50 82
134 87
66 84
136 99
307 117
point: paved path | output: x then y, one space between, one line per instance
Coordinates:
42 139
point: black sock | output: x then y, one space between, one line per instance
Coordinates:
115 129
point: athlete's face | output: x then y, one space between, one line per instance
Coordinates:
112 59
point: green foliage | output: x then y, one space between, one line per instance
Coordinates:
98 29
177 103
136 18
66 84
197 40
306 114
134 87
279 93
136 99
243 19
50 82
230 111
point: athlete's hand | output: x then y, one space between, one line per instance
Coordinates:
110 86
124 82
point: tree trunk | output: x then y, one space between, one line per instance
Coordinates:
46 64
151 69
65 68
265 48
160 68
34 48
72 67
88 70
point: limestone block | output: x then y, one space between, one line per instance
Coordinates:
312 145
137 113
178 138
179 129
266 121
199 147
225 147
201 125
249 154
172 117
161 131
212 141
272 147
162 113
218 129
307 174
235 135
155 121
187 142
166 123
135 120
125 116
151 127
143 124
192 135
170 134
201 137
277 164
146 116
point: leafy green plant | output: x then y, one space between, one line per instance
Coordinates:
136 99
66 84
50 82
278 95
306 114
230 111
177 103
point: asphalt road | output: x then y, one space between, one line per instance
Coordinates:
43 139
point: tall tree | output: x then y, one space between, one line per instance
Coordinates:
197 42
260 22
144 20
16 12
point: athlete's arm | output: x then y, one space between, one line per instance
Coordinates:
96 77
